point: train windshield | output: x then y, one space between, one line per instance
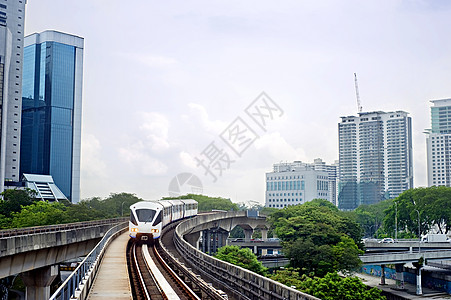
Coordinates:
145 215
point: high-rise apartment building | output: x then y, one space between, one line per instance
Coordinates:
12 15
375 157
51 112
298 182
438 143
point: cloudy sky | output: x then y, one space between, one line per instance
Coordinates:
163 81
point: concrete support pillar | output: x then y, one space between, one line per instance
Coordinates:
419 289
206 245
193 239
208 239
399 276
224 237
202 237
264 234
248 234
214 241
38 281
382 275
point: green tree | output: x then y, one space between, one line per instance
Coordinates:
434 208
288 276
82 211
115 205
318 238
38 214
242 257
371 217
237 232
330 287
14 199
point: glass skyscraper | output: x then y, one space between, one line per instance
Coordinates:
51 109
375 157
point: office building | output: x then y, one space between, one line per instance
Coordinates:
375 157
438 142
51 112
298 182
12 15
332 174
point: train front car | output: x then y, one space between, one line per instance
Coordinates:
145 221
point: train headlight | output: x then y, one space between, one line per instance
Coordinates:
154 230
134 229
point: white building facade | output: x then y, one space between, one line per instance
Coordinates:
12 15
438 143
297 183
375 157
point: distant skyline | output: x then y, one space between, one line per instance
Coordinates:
163 80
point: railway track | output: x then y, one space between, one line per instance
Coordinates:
152 278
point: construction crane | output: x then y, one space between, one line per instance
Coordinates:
359 106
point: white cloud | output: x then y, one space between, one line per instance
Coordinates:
278 148
141 153
156 130
149 59
188 160
92 164
138 158
199 115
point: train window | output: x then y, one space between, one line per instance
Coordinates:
157 219
132 219
145 215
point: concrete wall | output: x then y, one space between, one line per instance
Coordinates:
233 277
26 252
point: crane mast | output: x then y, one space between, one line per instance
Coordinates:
359 106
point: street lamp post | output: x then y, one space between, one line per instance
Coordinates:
419 232
122 209
396 221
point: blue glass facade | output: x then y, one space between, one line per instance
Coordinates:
47 112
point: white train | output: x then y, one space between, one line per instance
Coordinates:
147 218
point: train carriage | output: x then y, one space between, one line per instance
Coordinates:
167 215
177 209
148 218
190 207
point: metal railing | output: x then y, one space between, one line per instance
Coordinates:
88 266
59 227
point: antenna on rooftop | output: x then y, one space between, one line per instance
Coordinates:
359 106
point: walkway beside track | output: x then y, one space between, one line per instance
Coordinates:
408 293
112 281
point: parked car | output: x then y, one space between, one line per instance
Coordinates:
238 240
387 240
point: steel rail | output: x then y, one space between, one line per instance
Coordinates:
174 275
140 275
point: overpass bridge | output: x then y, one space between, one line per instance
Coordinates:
404 251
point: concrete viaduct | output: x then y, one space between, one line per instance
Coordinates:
34 253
